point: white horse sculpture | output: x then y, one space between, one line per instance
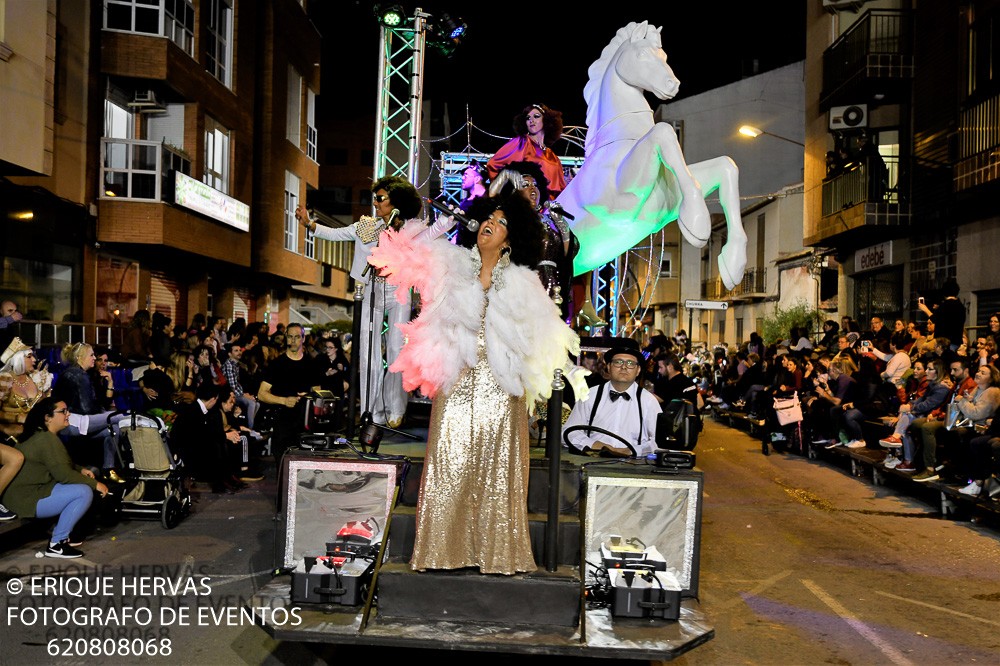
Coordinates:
634 179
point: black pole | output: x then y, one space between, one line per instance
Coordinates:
553 433
352 390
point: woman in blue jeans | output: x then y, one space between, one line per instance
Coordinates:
49 484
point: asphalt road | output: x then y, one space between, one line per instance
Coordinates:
801 563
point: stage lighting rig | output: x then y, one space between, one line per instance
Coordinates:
392 16
446 34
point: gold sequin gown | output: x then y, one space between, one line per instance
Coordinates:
472 510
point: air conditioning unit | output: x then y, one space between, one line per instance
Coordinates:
834 6
854 116
144 101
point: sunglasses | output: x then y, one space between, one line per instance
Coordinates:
379 198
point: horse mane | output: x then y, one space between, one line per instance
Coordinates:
600 66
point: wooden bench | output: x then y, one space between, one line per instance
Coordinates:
735 418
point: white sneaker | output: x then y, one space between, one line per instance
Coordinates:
972 489
834 444
891 461
856 444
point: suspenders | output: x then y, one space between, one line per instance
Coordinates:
597 401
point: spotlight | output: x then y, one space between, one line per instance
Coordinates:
391 17
447 34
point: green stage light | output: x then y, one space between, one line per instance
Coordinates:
391 17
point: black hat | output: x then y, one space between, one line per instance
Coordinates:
624 346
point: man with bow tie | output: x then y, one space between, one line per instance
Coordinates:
619 406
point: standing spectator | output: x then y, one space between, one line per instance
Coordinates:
948 315
995 328
135 346
161 345
8 315
287 379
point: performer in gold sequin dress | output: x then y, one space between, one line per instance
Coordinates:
484 348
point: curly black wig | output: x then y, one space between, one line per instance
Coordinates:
524 228
402 195
534 170
552 123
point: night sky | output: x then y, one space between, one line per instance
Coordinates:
521 53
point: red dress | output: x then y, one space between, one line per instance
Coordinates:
523 149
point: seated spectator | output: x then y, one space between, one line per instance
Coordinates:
920 413
102 381
995 329
158 393
916 381
232 370
22 384
838 391
828 342
243 456
897 364
986 351
183 375
49 484
845 347
208 366
800 340
11 461
199 436
985 459
976 408
87 417
619 406
878 331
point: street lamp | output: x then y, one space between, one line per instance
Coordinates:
754 132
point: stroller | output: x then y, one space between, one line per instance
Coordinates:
154 483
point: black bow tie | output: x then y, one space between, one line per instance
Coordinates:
615 395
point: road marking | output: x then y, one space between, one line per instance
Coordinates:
939 608
754 592
894 655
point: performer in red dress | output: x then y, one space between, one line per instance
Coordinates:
537 127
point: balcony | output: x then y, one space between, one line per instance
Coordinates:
978 145
852 201
753 286
140 170
874 56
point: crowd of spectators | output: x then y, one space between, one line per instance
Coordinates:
204 380
934 396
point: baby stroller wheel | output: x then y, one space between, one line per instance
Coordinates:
170 513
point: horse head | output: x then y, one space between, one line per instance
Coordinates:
642 62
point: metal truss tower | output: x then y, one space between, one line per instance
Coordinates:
400 99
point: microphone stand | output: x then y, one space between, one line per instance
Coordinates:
366 416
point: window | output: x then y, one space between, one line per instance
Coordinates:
311 133
218 44
216 155
118 122
178 24
667 265
173 19
293 121
291 203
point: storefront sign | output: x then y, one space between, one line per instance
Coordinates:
875 256
209 201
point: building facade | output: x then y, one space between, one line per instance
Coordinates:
175 138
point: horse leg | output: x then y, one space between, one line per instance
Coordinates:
639 173
722 174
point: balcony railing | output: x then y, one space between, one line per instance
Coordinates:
754 284
713 290
40 333
142 170
855 187
879 45
978 145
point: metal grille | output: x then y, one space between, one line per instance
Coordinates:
878 293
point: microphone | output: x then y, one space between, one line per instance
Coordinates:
555 208
470 224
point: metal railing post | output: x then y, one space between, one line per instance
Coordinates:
553 433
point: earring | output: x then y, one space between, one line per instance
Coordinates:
505 250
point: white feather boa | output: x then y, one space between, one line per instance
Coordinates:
525 338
